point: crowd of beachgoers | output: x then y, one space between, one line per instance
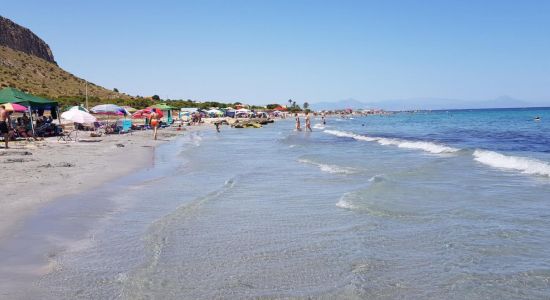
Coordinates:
20 123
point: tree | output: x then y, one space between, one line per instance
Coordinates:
272 106
115 90
156 97
293 104
306 105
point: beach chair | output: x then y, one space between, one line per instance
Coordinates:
71 136
68 134
124 126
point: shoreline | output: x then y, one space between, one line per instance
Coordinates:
38 173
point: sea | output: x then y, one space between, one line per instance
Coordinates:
425 205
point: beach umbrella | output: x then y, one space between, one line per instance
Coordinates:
130 109
78 107
215 112
144 113
15 107
108 109
78 116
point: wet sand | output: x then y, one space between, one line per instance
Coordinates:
35 173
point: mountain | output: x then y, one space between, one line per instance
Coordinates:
426 103
342 104
27 63
22 39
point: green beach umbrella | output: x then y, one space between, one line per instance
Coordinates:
162 106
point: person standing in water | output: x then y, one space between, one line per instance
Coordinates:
154 121
323 119
298 128
308 122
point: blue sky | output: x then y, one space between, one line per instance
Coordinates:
269 51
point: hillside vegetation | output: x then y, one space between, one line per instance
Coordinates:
40 77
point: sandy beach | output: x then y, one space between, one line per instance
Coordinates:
35 173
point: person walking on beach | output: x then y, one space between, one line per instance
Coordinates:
154 121
5 125
308 122
298 128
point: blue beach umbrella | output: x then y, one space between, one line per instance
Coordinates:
108 109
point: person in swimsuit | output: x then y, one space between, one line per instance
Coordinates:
154 121
298 128
5 125
308 122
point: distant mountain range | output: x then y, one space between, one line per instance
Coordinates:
427 104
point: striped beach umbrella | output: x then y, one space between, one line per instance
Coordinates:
15 107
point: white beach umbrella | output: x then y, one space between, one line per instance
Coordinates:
78 116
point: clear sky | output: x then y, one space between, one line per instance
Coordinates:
269 51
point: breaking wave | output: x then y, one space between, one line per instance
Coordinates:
344 203
334 169
524 165
417 145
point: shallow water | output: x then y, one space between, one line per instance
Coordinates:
436 205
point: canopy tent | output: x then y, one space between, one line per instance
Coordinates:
167 108
242 113
189 109
16 96
33 102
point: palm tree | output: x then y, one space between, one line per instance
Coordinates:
289 102
306 105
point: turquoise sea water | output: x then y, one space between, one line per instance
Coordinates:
438 205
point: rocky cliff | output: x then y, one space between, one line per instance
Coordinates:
22 39
26 63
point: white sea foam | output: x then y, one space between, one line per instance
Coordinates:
318 126
343 203
524 165
334 169
418 145
376 178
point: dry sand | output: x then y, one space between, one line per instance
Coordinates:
35 173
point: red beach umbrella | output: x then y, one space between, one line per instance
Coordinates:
15 107
144 113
